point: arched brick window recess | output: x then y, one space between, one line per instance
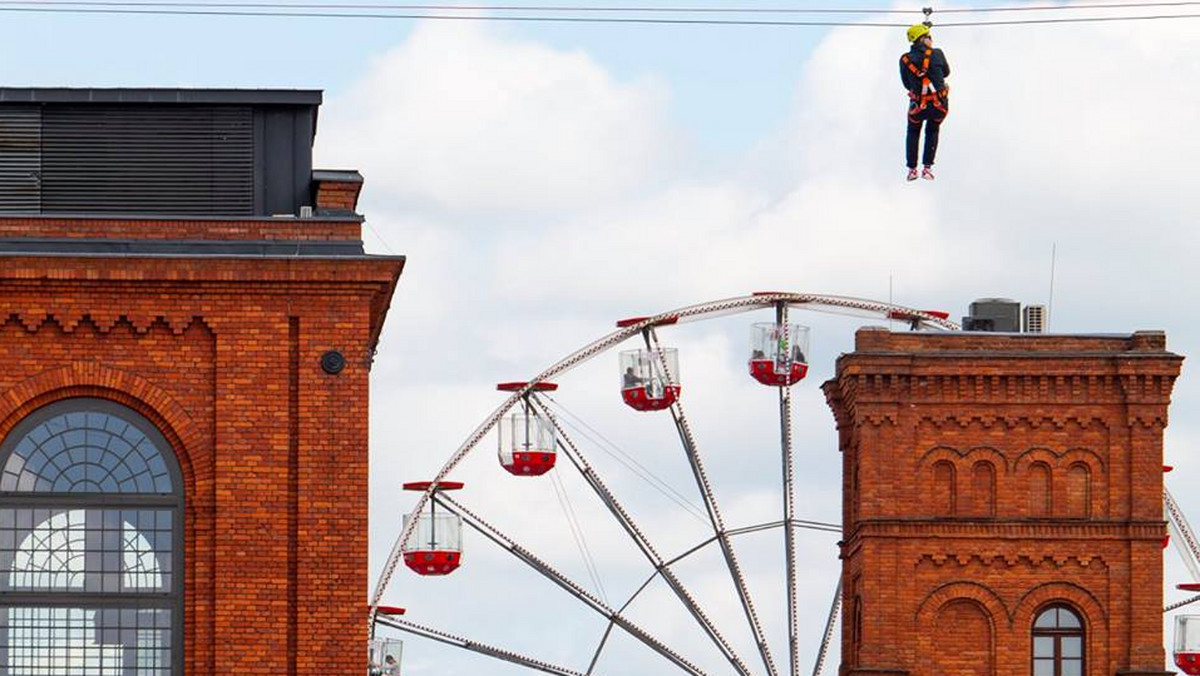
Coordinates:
1058 642
964 645
91 544
1038 481
1079 491
983 489
944 488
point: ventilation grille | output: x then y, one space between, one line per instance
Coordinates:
147 159
20 158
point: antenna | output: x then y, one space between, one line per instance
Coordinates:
1050 304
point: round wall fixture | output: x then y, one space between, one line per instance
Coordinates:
332 362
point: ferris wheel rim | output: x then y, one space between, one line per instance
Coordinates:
625 330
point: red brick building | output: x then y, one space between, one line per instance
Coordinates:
1003 503
187 322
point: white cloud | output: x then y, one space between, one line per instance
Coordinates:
458 118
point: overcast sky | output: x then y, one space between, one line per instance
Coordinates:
545 181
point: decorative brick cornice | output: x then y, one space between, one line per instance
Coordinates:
978 529
1070 382
1009 560
104 322
1010 422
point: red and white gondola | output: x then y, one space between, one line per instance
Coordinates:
435 546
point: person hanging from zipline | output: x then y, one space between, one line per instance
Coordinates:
923 70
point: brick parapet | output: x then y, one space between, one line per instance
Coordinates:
338 195
302 229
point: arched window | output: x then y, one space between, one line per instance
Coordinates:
983 489
944 489
91 545
1039 489
1058 646
1079 491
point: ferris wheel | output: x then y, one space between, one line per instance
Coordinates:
536 438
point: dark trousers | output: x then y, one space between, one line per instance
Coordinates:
932 119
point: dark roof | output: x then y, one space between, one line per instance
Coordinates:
295 97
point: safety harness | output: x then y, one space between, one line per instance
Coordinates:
928 96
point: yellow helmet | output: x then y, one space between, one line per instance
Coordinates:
917 31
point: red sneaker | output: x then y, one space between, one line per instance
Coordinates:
926 173
912 174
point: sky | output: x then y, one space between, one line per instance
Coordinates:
545 181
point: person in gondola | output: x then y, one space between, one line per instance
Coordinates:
923 70
632 379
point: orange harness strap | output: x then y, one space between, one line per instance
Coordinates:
929 96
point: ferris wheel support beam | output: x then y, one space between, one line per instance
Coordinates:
571 587
789 504
593 480
714 514
476 647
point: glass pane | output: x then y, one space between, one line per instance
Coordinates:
1048 619
1068 619
1043 668
85 452
1043 646
1072 646
1187 629
1072 668
85 641
95 550
440 532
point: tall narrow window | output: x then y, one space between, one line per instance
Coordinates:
983 489
943 488
1079 491
1058 645
1038 480
91 545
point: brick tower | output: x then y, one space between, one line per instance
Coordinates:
187 321
1002 503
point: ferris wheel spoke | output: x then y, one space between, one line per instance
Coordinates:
600 647
827 637
688 441
476 647
1179 604
570 586
638 536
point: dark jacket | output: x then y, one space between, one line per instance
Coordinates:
939 69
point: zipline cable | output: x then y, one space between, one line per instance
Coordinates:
630 463
637 9
27 8
564 502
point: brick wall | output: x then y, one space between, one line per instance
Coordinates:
986 476
224 356
304 229
338 195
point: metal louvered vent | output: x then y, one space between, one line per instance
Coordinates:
20 158
147 159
